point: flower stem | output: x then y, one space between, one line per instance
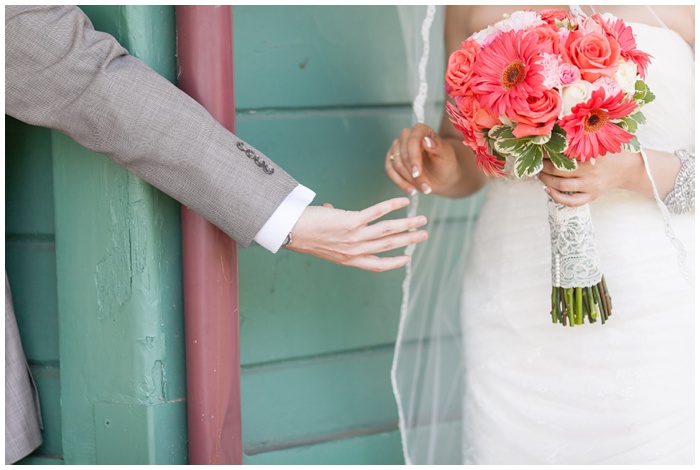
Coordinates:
578 309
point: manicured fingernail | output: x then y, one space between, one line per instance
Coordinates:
546 189
416 172
426 189
428 141
412 191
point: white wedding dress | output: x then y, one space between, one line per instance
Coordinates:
619 393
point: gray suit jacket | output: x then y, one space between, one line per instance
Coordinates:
62 74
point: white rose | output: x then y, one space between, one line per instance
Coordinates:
481 36
519 20
578 92
626 76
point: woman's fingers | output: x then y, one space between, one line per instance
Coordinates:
570 185
399 180
396 170
569 199
407 155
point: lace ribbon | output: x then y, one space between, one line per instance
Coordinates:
574 257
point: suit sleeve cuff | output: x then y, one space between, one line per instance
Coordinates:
274 232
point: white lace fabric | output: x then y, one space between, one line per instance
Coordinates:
574 257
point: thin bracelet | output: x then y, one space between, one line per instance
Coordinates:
287 240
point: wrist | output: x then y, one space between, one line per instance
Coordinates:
633 173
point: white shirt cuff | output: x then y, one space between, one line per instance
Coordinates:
275 231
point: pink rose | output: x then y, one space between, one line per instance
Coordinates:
595 54
552 15
548 37
459 68
540 116
568 74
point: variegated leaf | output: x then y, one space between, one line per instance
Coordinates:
529 161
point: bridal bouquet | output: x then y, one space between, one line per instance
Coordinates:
551 85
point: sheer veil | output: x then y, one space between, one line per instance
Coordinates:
427 372
428 368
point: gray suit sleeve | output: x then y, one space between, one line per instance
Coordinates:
62 74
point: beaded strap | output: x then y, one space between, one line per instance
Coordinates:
681 199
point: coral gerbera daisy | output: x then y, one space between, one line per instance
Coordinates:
507 71
475 138
590 130
624 35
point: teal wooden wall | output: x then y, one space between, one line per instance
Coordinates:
323 91
93 256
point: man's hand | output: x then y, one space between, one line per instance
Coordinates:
348 239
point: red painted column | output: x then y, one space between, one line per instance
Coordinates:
210 263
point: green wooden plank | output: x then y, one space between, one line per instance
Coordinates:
28 179
119 270
32 460
337 153
373 449
293 305
48 385
288 403
130 434
119 291
318 56
31 271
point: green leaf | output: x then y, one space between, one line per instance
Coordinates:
557 141
506 143
639 117
628 124
642 93
562 162
496 132
541 139
555 149
632 146
529 161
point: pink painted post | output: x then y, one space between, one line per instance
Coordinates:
210 261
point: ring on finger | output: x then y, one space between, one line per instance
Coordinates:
392 157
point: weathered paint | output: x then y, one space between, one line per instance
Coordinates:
322 91
119 284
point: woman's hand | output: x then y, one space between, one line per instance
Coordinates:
592 179
420 160
348 239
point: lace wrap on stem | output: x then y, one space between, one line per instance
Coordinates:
578 286
574 258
